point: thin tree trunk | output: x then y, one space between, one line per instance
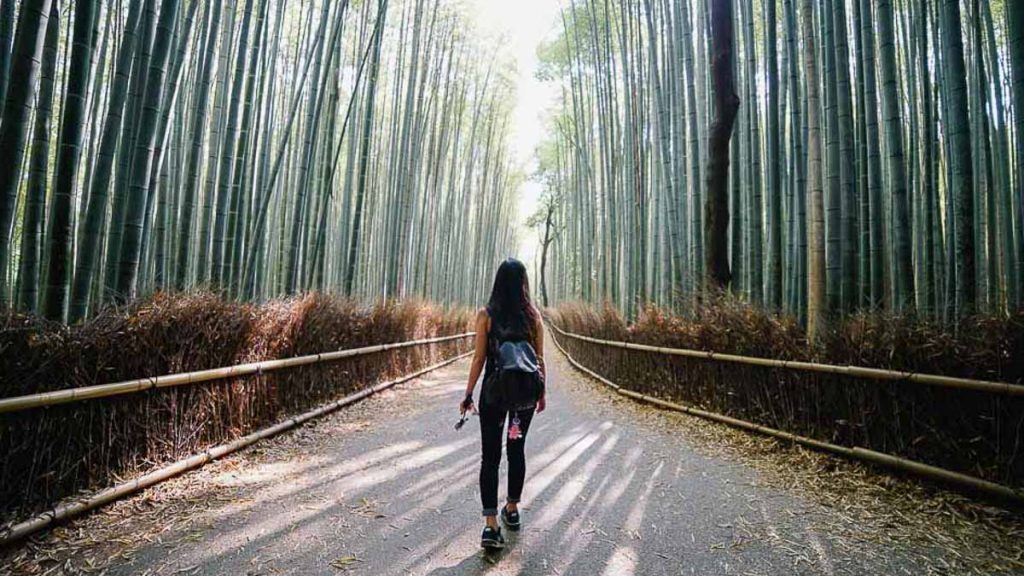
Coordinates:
904 280
6 44
143 157
195 149
544 254
817 314
774 161
26 55
224 190
1015 31
58 279
35 204
364 153
95 216
961 158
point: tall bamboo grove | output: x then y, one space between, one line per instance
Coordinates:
877 160
256 148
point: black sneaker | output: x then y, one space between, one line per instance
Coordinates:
492 538
510 519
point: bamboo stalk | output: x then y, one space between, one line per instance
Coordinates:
41 521
19 403
978 485
852 371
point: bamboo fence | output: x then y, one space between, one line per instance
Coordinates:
19 403
990 386
935 473
80 506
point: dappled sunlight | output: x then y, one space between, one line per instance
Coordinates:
551 452
443 477
624 558
294 478
438 382
302 498
576 507
366 460
434 393
628 470
460 554
341 484
381 474
634 520
433 500
556 467
573 482
264 473
602 511
622 562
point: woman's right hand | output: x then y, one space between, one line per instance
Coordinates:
466 405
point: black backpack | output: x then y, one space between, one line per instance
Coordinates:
516 382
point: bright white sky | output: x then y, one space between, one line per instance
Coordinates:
520 26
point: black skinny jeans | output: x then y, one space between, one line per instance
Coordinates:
492 428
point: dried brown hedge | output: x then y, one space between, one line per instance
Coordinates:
51 453
973 432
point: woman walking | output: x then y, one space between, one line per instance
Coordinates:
510 339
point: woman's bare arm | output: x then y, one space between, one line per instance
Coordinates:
539 329
479 356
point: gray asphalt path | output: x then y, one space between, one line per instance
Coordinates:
609 492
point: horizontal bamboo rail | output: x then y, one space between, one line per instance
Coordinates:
41 521
18 403
978 485
1004 388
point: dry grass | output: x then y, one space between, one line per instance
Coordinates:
855 506
973 432
55 452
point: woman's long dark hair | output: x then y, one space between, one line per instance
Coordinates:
510 307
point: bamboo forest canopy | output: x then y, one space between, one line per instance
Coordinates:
877 159
257 147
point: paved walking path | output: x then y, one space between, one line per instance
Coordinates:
388 487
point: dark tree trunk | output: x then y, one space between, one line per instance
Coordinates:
726 102
544 254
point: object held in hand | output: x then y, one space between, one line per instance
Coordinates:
462 421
